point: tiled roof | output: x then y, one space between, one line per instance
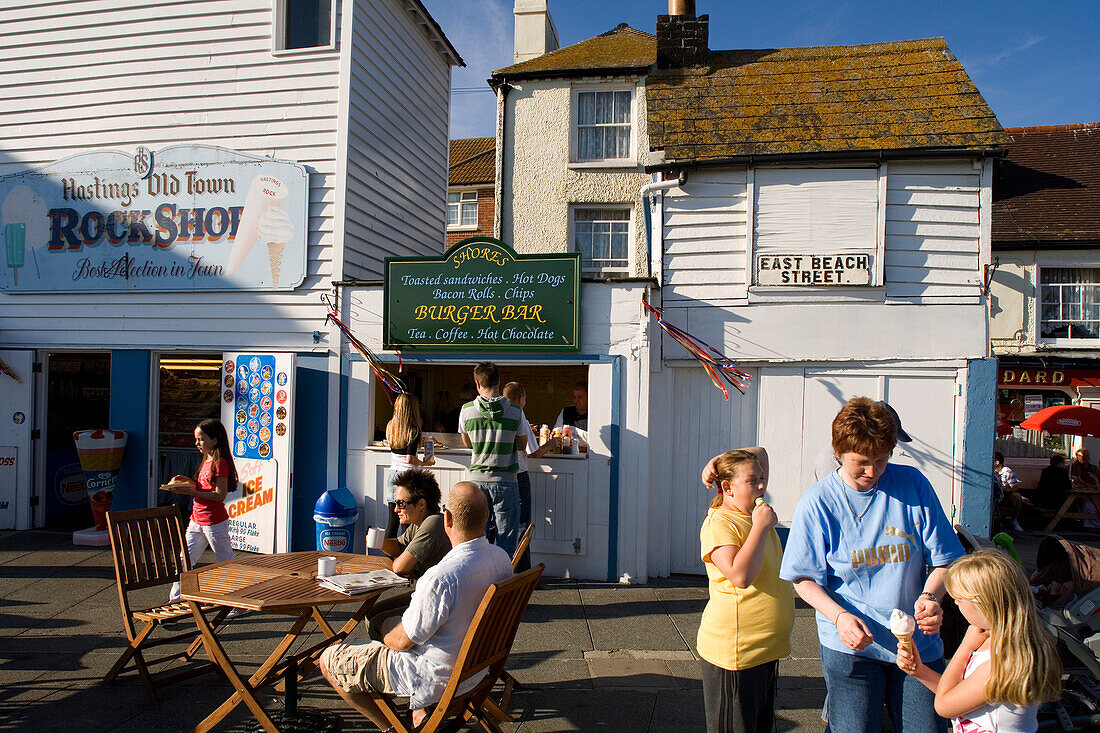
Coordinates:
472 160
621 48
902 95
1047 191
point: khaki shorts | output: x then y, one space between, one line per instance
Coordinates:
355 667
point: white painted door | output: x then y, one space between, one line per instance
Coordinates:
16 451
926 402
702 425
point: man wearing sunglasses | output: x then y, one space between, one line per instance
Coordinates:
417 657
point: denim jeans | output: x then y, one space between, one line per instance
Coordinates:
524 480
858 687
503 526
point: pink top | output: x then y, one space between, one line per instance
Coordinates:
205 512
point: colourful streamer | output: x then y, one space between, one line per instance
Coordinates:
392 382
718 366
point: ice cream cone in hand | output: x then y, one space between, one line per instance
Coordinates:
902 626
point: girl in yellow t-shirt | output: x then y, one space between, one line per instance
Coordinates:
746 626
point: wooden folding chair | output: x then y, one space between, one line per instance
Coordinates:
148 550
521 547
484 650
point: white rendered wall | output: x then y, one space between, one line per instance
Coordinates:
538 184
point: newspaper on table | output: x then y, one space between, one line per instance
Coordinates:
355 583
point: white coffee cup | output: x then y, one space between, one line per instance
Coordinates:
375 537
328 565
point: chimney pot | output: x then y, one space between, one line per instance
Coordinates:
681 7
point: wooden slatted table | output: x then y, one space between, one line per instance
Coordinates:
1072 497
281 584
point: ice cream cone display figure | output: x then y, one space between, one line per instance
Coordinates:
275 229
902 625
264 194
100 452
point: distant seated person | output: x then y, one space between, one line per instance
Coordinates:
1009 501
422 545
1053 485
576 414
1082 474
417 657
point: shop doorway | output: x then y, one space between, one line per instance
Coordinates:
78 397
188 392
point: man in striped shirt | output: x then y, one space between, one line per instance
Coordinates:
489 426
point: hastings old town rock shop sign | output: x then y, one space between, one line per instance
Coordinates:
482 296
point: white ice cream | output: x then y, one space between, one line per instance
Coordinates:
275 226
901 623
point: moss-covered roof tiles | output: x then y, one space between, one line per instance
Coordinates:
824 99
472 160
620 49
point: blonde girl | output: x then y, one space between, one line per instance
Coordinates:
1006 665
746 626
403 434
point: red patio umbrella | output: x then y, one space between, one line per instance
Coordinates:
1003 427
1065 420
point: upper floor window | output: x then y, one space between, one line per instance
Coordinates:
816 227
1069 302
462 209
602 236
602 124
303 25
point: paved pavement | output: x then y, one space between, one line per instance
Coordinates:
592 656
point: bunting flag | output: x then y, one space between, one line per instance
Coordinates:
719 367
391 381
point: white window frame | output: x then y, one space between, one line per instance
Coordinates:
278 38
1066 342
876 287
630 234
631 159
462 192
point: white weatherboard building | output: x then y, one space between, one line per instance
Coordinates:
836 244
353 93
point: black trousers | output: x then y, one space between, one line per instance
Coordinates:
740 701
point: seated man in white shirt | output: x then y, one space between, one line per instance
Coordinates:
417 657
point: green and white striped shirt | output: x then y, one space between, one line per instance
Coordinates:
492 425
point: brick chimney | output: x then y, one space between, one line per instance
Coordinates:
682 37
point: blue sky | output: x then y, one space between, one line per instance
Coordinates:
1036 63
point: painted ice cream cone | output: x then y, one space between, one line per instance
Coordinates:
902 626
275 229
265 193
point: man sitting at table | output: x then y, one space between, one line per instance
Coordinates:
417 657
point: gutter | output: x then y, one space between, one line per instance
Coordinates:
644 193
833 155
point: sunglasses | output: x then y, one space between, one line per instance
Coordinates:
401 503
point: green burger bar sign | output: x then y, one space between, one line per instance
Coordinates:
482 296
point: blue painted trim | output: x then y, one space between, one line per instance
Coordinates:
472 359
976 498
613 489
311 425
129 411
342 457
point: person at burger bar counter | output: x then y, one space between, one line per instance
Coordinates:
490 427
575 414
516 393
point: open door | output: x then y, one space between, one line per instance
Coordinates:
16 449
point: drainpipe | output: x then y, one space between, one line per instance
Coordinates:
648 201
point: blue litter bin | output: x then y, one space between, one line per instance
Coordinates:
335 514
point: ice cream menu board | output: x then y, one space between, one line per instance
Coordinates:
257 410
184 218
482 296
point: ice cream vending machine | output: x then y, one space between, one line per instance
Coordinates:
258 411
